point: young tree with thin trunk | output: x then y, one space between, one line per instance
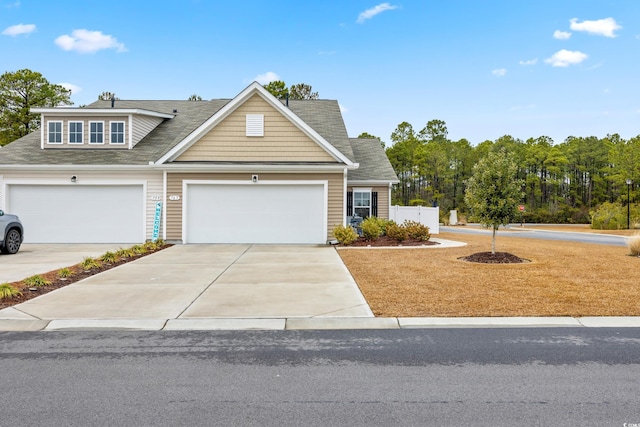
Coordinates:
494 192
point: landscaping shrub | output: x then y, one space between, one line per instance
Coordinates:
109 257
125 253
634 245
345 235
64 272
38 281
416 230
396 231
89 264
371 229
383 225
138 249
8 291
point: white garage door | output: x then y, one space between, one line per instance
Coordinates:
79 213
255 213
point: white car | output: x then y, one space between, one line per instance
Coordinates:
11 233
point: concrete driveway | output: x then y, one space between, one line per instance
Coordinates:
209 281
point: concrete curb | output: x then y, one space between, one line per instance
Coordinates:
316 323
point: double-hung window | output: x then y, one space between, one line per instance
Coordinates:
96 132
362 202
75 132
54 132
117 132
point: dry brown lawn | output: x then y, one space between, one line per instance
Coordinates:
562 279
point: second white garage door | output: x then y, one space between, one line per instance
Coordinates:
255 213
79 213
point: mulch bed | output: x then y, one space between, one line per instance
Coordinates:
56 282
497 258
387 241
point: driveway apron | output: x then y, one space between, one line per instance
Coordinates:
212 281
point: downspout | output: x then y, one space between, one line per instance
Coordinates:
344 199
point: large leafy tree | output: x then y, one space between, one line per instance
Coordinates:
19 91
493 191
279 89
302 91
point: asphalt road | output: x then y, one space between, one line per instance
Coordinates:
437 377
567 236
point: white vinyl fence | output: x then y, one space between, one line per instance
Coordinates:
427 216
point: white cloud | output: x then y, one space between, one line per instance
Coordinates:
370 13
533 61
85 41
73 88
12 5
564 58
267 77
561 35
499 72
343 109
602 27
15 30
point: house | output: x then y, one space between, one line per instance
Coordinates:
252 169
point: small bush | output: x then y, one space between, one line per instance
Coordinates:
416 230
109 257
139 249
634 245
8 291
125 253
38 281
396 231
89 264
371 229
383 225
64 272
345 235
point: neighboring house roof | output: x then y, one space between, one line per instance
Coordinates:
374 164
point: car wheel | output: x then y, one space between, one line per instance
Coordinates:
12 242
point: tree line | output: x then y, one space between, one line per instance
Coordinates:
560 182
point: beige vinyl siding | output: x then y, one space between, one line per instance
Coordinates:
85 130
143 125
282 140
383 198
174 188
153 185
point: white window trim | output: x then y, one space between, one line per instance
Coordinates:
49 122
254 125
81 132
124 133
361 190
91 133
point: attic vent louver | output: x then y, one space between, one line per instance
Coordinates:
255 125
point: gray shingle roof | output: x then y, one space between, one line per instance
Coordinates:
374 164
322 115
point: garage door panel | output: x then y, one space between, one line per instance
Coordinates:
79 214
255 213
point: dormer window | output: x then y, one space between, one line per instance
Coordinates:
75 132
117 132
96 132
54 130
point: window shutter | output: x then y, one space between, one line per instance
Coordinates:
374 203
349 203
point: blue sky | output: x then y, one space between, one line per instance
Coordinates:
487 68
